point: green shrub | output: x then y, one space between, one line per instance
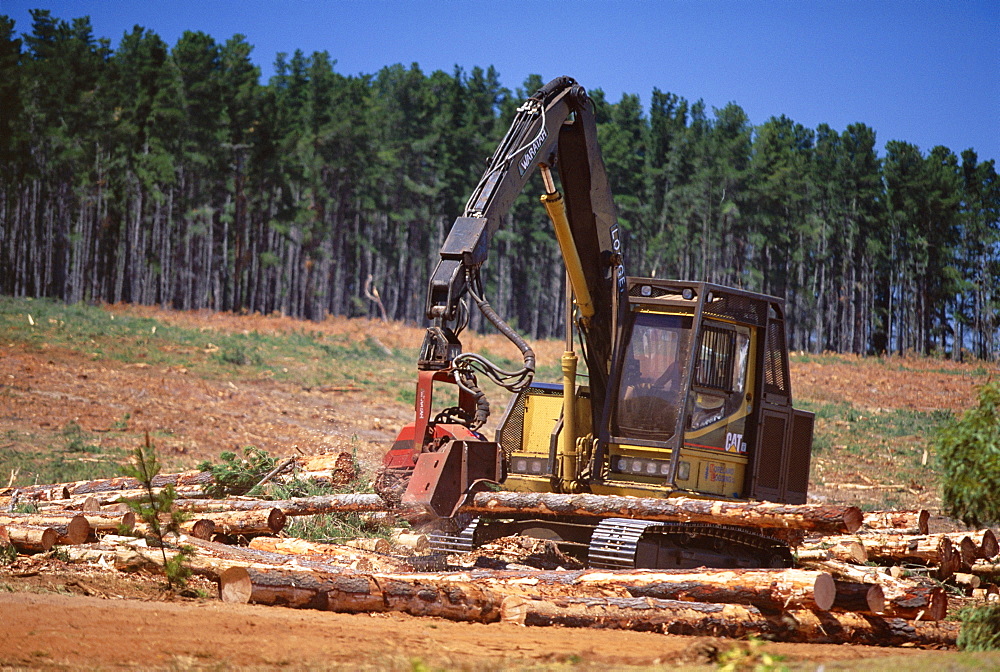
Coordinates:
980 628
237 475
969 451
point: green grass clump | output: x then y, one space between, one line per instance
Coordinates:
73 455
980 628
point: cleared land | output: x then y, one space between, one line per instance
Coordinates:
80 386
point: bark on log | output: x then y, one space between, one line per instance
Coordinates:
69 527
295 506
244 523
31 538
359 593
764 588
766 515
904 599
635 613
77 502
129 483
200 528
848 628
4 537
692 618
334 554
916 520
35 493
931 549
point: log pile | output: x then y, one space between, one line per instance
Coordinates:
859 577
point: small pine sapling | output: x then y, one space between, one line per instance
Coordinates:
157 511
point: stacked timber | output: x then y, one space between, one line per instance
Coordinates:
834 594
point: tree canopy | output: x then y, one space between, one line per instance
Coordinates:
171 175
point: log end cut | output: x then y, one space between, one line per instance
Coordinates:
276 520
824 591
853 518
202 528
75 531
988 547
235 585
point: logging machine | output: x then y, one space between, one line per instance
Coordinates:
686 391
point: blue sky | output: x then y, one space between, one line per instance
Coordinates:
919 71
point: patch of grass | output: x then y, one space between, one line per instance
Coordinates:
74 456
309 358
852 445
823 358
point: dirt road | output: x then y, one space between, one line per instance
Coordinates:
60 631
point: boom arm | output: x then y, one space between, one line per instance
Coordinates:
555 127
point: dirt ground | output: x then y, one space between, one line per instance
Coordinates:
55 616
66 618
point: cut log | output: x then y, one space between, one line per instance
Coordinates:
106 498
200 528
334 554
859 597
989 547
988 594
693 618
904 599
4 537
372 544
418 543
110 521
31 538
69 527
35 493
245 523
987 571
847 549
917 521
325 461
360 593
968 581
758 515
931 549
764 588
235 585
129 483
830 627
295 506
633 613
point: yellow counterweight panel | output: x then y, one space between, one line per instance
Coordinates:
541 414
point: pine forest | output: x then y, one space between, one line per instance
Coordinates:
171 175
